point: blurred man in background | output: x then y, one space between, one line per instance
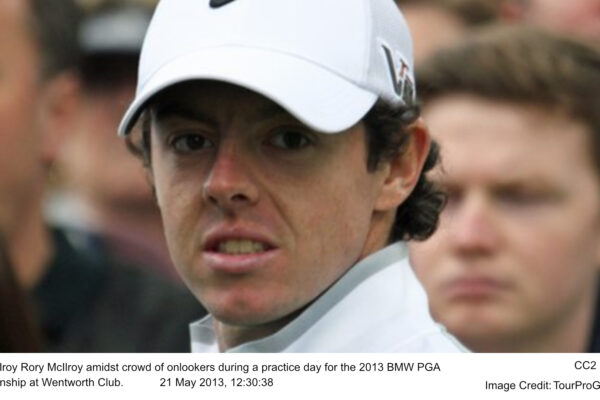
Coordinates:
82 301
514 264
103 192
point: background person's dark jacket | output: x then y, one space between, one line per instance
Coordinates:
89 303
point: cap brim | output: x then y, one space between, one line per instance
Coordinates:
317 97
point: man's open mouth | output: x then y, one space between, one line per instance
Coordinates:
240 246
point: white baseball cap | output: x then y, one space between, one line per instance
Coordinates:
325 61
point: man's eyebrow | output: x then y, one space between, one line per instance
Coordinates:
173 110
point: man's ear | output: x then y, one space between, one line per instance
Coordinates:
403 172
59 105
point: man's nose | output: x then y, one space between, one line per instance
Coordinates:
230 183
474 225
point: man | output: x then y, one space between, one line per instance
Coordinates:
513 266
104 192
82 303
282 138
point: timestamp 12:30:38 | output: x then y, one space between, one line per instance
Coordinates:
216 382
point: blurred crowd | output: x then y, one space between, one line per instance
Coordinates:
85 256
510 89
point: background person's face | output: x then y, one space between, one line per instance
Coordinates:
21 166
95 161
261 214
516 253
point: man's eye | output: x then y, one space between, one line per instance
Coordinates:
527 198
190 142
290 139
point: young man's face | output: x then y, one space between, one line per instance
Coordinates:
96 164
515 258
261 214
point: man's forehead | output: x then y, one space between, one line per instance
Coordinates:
199 99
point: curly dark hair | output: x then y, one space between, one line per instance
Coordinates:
416 218
387 136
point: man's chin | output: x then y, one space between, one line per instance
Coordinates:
254 318
477 327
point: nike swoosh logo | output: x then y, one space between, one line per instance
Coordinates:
219 3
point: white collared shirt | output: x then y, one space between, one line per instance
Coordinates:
377 306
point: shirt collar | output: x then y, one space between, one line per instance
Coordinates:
203 335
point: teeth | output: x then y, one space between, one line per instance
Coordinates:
240 247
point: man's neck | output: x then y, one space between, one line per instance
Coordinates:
230 336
